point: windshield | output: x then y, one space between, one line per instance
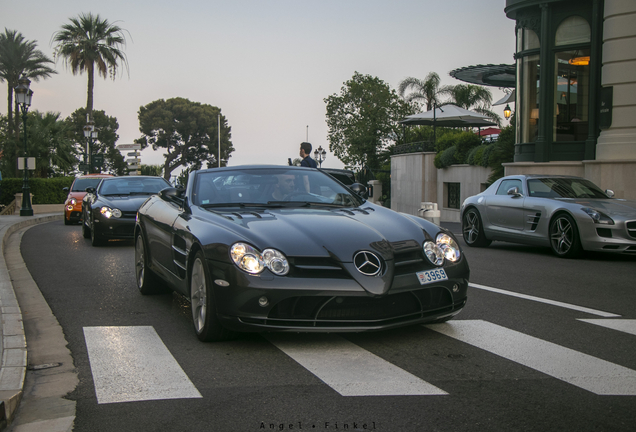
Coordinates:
278 187
564 188
133 185
80 184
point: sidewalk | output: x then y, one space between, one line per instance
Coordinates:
13 344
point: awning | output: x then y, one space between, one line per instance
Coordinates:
449 116
502 75
489 131
508 98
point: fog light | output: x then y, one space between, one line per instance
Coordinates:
69 207
455 288
263 301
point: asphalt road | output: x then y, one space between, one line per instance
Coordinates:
505 363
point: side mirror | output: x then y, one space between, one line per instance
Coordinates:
609 193
65 189
90 190
514 191
360 190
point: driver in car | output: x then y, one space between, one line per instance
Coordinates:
284 187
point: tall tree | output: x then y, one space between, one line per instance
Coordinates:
90 43
106 128
472 97
426 90
20 57
363 121
187 130
50 144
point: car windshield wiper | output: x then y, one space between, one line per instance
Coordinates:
234 204
302 204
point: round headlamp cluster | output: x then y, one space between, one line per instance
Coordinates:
108 212
72 201
253 261
445 247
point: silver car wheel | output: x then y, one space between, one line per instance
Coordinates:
471 230
562 235
198 295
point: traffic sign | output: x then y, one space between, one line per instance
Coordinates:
133 154
129 147
133 161
133 167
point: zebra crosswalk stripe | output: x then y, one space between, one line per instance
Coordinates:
349 369
133 364
582 370
623 325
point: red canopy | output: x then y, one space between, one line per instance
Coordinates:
489 131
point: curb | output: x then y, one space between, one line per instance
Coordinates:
14 348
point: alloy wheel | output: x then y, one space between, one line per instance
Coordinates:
198 295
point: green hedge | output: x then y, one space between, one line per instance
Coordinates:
44 190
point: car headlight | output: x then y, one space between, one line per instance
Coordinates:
445 247
598 217
108 212
73 201
252 261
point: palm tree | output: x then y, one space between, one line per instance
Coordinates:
90 43
471 97
20 57
425 90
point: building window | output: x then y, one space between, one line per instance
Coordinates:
528 47
452 195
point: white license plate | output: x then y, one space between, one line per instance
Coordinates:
430 276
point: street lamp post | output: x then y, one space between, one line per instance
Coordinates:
90 134
320 155
23 95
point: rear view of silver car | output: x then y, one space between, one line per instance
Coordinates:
568 214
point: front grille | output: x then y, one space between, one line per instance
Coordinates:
129 214
343 311
317 267
631 228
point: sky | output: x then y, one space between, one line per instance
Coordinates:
267 64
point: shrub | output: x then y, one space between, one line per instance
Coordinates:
446 158
44 190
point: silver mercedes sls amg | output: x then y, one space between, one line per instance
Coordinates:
568 214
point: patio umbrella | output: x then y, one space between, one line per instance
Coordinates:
448 116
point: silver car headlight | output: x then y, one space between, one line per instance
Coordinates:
445 247
108 212
72 201
598 217
251 260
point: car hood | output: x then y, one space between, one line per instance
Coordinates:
339 233
609 206
123 202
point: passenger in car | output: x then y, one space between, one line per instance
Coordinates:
284 187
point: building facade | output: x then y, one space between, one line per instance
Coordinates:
576 90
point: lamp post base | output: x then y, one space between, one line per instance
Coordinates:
26 212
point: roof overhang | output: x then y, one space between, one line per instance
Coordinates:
502 75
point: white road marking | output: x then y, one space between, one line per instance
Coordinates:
133 364
349 369
582 370
542 300
624 325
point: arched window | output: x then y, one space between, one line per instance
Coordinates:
573 30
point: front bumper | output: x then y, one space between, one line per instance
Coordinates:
332 305
114 228
618 238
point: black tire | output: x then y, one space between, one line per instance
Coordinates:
96 239
564 237
148 282
473 229
204 318
86 231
